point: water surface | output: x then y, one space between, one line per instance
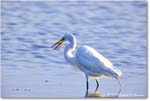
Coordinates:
30 69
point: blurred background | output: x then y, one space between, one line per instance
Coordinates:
30 69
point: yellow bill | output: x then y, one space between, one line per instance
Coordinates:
58 43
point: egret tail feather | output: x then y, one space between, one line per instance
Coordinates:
119 73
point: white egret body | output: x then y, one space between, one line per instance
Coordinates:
87 59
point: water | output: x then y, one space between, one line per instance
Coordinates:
30 69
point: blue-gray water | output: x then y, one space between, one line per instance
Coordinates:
31 69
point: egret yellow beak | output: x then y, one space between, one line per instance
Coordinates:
58 43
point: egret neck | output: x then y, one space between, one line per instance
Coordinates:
69 51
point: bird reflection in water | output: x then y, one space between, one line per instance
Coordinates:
97 94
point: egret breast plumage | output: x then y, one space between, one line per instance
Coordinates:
90 61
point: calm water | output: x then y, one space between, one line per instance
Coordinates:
31 69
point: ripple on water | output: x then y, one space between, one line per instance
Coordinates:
115 29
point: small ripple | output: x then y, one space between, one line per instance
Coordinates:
39 46
58 62
8 51
5 39
20 39
105 8
139 4
11 23
41 33
22 50
2 33
39 56
97 20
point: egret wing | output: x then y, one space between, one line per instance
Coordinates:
91 61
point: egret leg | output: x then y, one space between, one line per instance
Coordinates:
119 82
97 85
87 86
120 86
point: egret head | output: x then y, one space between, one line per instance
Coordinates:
66 37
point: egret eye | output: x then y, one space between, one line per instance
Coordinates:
63 38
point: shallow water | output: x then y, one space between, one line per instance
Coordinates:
31 69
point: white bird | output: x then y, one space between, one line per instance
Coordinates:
88 60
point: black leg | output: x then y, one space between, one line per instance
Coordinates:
97 85
87 86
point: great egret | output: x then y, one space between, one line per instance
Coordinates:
88 60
